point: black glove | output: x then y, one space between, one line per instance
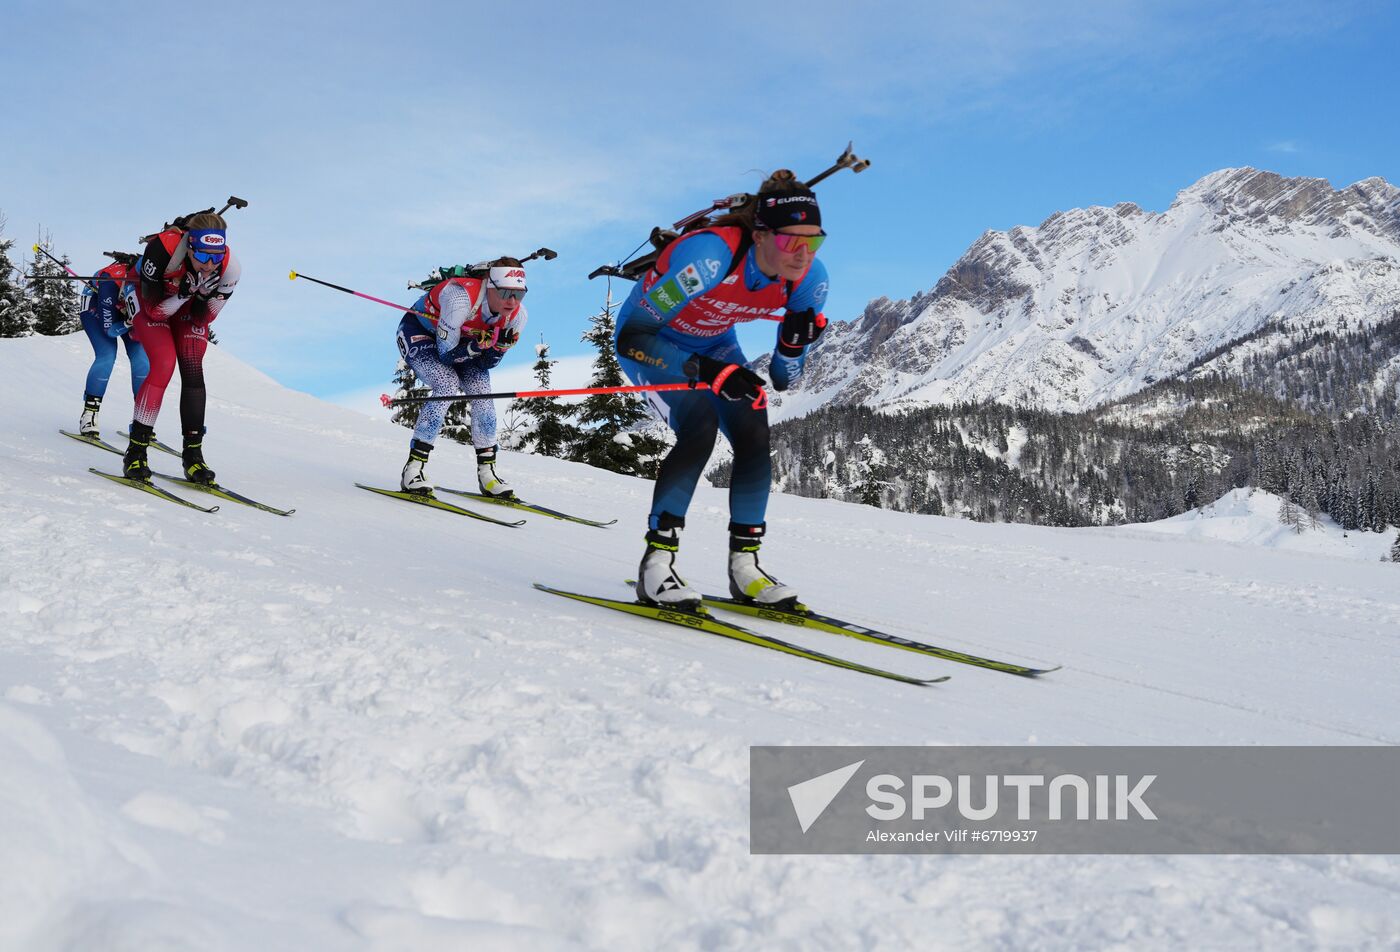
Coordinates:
507 338
799 329
729 381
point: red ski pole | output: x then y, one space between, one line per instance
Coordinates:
760 402
389 401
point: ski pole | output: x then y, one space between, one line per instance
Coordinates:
71 273
759 402
389 401
293 275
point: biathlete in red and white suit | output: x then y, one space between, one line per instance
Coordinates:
678 325
186 276
453 337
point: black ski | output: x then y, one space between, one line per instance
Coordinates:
432 502
527 507
152 489
702 620
214 489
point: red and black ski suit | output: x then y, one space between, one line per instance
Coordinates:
175 308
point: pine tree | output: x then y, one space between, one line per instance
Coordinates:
1310 515
874 474
611 433
55 303
1395 549
16 314
547 428
406 385
457 425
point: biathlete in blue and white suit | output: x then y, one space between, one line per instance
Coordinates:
462 329
105 321
678 326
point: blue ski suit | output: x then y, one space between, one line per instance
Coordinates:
688 305
104 320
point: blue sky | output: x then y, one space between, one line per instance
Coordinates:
374 141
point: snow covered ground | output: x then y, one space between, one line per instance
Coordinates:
360 728
1251 517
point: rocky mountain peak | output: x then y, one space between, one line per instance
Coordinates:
1254 194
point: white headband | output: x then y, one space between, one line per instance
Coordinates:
508 278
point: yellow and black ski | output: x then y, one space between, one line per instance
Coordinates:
96 441
214 489
432 502
524 506
701 620
146 487
803 617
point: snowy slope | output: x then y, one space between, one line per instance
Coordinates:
1251 517
360 728
1095 303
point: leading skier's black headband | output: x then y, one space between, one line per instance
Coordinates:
796 206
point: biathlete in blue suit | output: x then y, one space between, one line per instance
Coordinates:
105 320
678 325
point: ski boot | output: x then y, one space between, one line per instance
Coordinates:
87 423
486 478
658 583
747 580
193 457
134 465
413 480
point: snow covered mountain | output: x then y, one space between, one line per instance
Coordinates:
359 728
1096 303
